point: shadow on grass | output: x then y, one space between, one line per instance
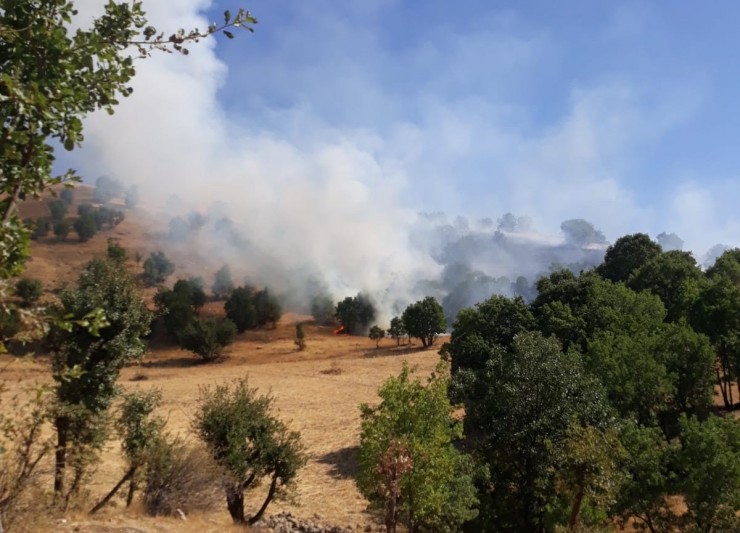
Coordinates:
398 350
343 462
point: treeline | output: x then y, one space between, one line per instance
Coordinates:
588 407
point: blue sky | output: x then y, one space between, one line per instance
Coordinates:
345 118
488 90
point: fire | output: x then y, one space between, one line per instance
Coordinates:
338 330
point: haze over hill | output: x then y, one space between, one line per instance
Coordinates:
322 164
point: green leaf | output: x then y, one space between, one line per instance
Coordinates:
229 34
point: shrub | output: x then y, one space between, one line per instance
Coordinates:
86 227
40 229
67 195
179 476
157 268
355 313
222 284
267 308
207 338
322 309
29 290
61 229
397 330
300 337
116 252
10 322
240 309
58 209
249 443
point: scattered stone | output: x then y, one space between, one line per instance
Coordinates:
287 523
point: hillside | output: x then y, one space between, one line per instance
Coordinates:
318 390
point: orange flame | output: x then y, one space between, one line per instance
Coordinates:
338 330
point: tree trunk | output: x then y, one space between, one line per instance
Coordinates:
268 499
390 514
576 509
62 426
235 503
722 388
114 490
131 490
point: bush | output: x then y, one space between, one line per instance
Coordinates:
40 229
240 309
397 330
179 476
267 308
67 195
300 337
61 229
249 443
58 209
157 268
10 322
222 284
29 290
355 314
86 227
116 252
376 334
207 338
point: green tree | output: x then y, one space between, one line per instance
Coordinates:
355 313
580 232
249 442
518 409
61 229
222 284
494 322
67 195
397 330
86 227
87 361
207 338
140 430
425 320
627 255
157 268
672 276
41 229
709 474
408 460
240 309
267 308
58 209
376 334
29 290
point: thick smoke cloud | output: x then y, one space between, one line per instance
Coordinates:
310 205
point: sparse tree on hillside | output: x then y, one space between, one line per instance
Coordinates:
250 443
376 334
355 313
240 309
67 195
40 229
222 284
397 330
87 361
86 227
425 320
267 308
300 337
157 268
580 232
669 241
58 210
61 229
207 338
